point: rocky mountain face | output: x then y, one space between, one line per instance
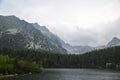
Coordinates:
114 42
19 34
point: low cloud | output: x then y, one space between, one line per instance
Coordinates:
111 29
100 34
72 20
1 2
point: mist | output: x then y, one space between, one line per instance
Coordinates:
78 22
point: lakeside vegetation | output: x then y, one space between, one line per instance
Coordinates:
105 58
17 66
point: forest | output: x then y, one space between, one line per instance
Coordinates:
108 58
17 66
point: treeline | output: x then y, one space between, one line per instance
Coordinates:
16 66
105 58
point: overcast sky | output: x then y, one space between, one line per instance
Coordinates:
78 22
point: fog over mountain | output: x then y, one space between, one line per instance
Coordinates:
78 22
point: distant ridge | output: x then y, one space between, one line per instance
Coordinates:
114 42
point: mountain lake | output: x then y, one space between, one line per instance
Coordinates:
70 74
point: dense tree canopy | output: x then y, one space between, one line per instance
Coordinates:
105 58
11 66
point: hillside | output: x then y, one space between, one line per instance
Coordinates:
114 42
19 34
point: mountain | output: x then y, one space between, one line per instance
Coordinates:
114 42
77 49
83 49
55 40
19 34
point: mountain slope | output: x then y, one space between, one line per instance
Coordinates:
114 42
55 40
77 49
83 49
19 34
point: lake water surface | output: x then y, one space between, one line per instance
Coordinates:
71 74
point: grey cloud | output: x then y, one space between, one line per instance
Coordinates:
1 2
112 29
79 36
105 33
84 37
55 9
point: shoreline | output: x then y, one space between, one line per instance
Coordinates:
13 75
7 76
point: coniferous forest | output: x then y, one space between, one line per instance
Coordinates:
108 58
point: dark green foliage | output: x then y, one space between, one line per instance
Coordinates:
23 66
11 66
13 41
94 59
6 65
